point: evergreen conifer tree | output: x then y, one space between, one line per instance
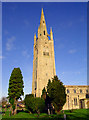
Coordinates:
56 93
15 89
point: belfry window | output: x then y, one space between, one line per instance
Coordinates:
46 53
43 21
44 32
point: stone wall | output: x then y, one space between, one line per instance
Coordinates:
76 97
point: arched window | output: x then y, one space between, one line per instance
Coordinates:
74 91
75 101
68 91
80 91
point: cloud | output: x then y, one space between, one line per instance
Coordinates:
10 43
72 51
61 46
25 54
1 57
71 72
63 73
78 72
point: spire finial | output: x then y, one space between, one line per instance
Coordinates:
42 11
51 34
42 17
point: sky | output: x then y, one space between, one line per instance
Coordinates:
20 22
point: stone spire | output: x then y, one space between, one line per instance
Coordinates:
42 30
42 20
51 34
34 39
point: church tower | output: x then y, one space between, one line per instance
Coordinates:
44 59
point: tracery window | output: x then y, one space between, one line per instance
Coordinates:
75 101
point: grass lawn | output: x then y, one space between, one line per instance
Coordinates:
81 114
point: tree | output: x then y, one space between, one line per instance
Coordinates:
46 98
56 93
15 89
34 104
49 82
39 105
44 93
4 101
29 102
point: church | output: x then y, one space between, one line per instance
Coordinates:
44 69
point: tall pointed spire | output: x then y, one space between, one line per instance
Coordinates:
42 30
42 20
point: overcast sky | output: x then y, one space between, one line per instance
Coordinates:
69 24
